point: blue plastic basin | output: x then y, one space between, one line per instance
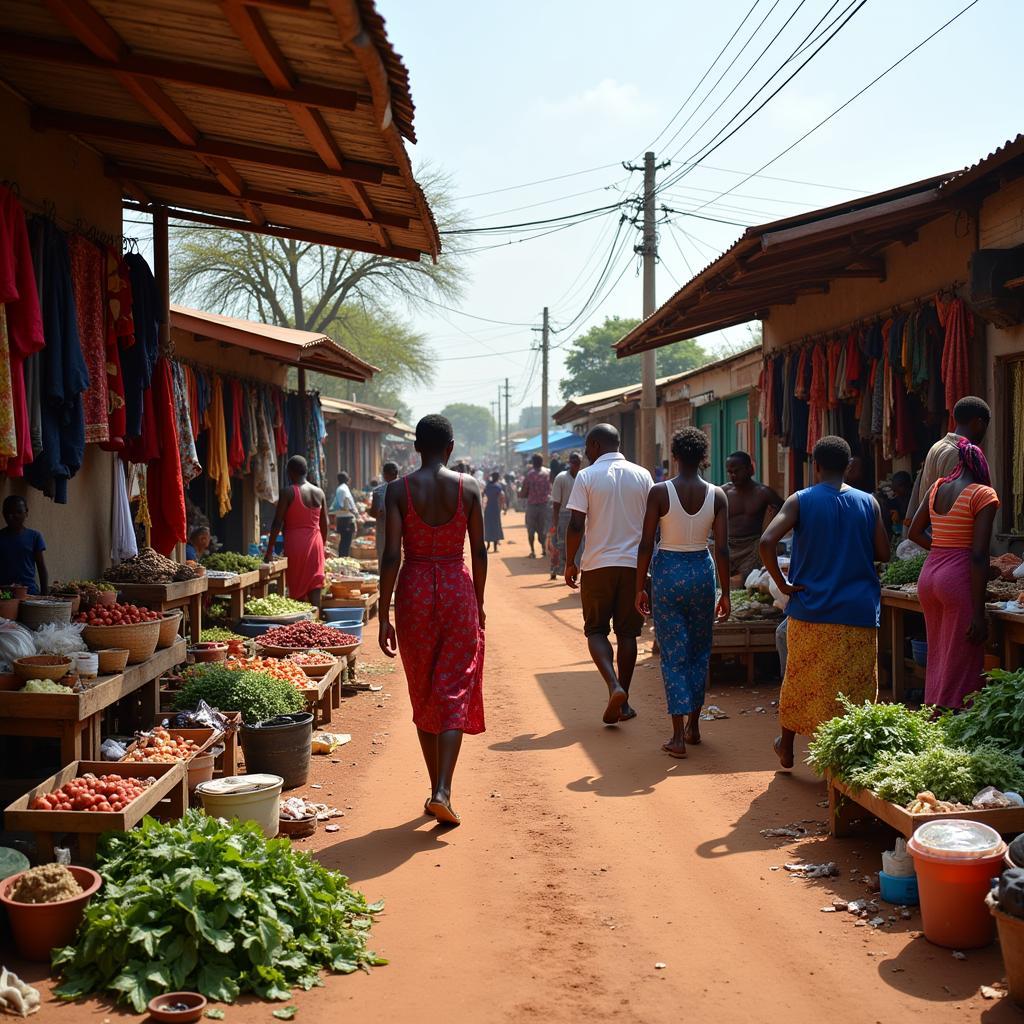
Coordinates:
901 890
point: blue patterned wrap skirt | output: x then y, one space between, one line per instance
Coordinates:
683 607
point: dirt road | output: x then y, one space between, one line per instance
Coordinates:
587 857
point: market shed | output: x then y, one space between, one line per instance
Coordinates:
285 117
356 436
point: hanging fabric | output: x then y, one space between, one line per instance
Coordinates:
163 474
218 467
139 360
88 280
190 467
123 543
958 323
120 334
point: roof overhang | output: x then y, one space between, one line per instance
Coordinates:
283 117
775 264
302 349
359 416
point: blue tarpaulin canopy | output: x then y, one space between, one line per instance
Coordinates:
558 441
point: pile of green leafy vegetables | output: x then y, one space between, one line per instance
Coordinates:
898 572
257 695
231 561
898 753
201 905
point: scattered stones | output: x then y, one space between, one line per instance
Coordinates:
828 910
828 870
876 922
332 828
659 966
957 955
785 832
990 992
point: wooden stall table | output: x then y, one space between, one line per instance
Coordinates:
236 588
271 576
1011 625
896 605
165 597
320 693
745 639
76 718
846 804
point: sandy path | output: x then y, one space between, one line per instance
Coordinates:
587 857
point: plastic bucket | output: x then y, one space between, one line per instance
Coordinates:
244 797
953 884
281 746
1011 942
335 615
899 889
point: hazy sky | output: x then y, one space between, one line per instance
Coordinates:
511 93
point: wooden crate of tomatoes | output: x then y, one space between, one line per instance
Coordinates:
90 797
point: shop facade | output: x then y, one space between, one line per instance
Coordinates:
356 437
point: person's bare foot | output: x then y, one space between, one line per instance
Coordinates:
616 700
441 809
692 735
426 808
627 713
785 758
675 748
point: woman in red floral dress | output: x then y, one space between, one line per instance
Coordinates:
439 607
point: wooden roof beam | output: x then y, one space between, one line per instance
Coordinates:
252 31
53 51
208 187
90 27
145 135
301 235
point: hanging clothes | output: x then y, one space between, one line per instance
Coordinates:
64 375
264 463
218 466
120 335
958 324
189 459
138 360
163 474
236 444
8 432
19 296
88 279
817 395
123 543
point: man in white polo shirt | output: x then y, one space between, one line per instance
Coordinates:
608 498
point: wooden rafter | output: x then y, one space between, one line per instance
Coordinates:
145 135
145 176
238 83
250 28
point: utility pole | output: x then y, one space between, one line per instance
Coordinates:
497 436
649 366
508 451
544 387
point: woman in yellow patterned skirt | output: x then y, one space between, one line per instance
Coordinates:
834 595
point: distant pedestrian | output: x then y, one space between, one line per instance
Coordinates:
560 491
834 595
494 495
687 509
390 472
439 607
608 499
536 490
344 507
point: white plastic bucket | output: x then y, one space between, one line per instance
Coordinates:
245 797
86 664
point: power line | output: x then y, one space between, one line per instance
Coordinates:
539 181
472 316
843 106
531 223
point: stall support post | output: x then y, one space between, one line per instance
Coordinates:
162 273
302 408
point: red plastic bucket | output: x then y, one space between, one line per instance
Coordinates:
953 888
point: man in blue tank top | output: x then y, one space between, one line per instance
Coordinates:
834 595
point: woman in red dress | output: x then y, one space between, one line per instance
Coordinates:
302 513
439 607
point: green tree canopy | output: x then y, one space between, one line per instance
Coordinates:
591 364
473 424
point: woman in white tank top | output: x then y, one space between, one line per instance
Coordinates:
683 581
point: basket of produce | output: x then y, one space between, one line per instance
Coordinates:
341 586
42 666
208 652
343 566
237 645
315 664
45 906
231 561
279 668
304 636
275 608
166 746
169 623
149 566
113 660
368 586
122 625
34 612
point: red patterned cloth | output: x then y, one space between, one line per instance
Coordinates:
958 322
120 335
438 625
166 491
236 449
89 280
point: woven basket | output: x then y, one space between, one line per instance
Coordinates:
140 638
42 666
33 614
113 660
271 651
169 623
318 671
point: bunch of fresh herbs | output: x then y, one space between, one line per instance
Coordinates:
899 572
994 715
257 695
201 905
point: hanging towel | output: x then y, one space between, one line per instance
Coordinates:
958 322
190 467
122 535
218 468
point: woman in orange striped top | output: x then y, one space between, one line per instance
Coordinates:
961 511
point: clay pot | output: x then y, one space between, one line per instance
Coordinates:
39 928
195 1002
9 608
209 652
19 590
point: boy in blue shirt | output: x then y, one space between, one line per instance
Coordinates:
21 549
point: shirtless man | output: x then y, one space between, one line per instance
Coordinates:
752 506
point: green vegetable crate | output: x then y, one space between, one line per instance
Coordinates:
166 799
